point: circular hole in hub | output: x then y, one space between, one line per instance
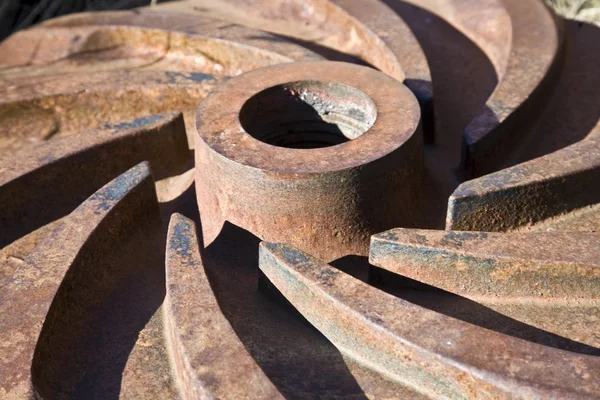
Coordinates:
308 114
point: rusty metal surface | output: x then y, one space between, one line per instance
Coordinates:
523 265
421 348
424 175
81 164
334 196
46 298
530 192
207 362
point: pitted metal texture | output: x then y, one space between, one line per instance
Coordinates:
339 199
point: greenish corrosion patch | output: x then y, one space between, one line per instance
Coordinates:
135 124
291 255
329 313
173 77
457 238
388 235
179 238
431 257
119 187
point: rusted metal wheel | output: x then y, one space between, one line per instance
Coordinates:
423 175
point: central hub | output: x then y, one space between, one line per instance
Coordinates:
319 155
308 114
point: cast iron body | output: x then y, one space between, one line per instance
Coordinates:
423 176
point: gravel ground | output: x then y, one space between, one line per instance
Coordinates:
581 10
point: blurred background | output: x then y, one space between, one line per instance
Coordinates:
19 14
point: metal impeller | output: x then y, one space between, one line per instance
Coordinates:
423 176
